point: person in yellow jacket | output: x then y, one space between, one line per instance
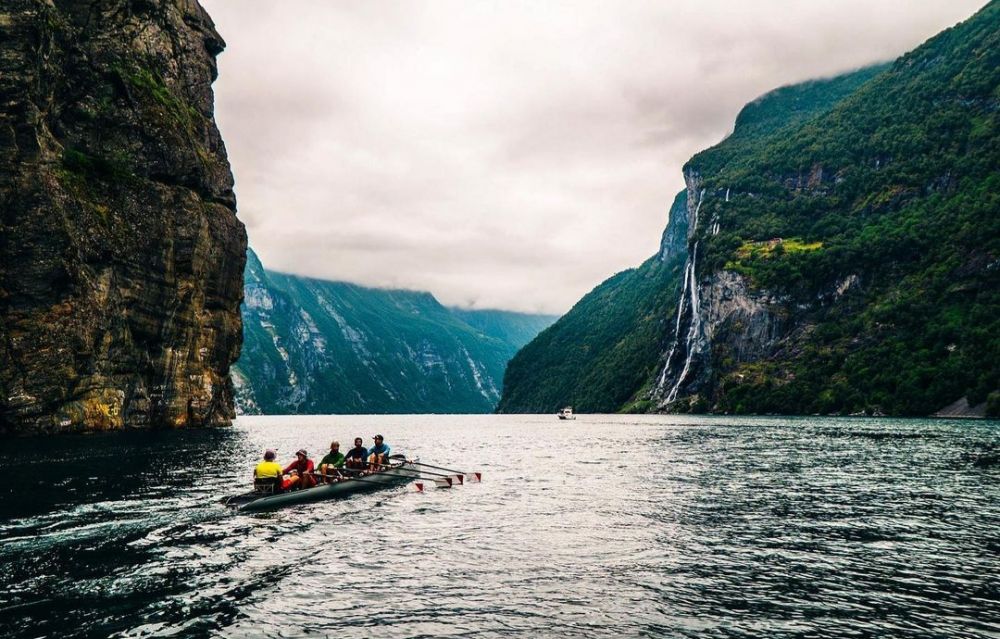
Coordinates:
268 470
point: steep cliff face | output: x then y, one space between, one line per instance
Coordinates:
316 346
841 255
849 262
675 236
121 256
623 346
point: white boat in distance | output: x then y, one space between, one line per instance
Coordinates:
566 413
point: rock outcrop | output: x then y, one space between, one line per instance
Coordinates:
121 257
961 409
719 316
675 235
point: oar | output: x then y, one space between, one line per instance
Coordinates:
459 477
438 476
412 470
478 476
439 482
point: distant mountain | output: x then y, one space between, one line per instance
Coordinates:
315 346
507 326
838 253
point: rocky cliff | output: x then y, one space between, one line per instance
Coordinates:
608 352
121 256
317 346
850 263
838 253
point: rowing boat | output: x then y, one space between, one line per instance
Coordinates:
397 474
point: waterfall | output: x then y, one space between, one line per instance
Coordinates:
692 330
677 329
689 288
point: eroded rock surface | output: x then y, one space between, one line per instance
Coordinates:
121 256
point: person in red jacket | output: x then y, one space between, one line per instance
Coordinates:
300 472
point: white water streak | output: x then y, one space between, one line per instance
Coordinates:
677 328
689 285
692 331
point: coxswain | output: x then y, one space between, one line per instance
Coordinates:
300 472
332 462
357 456
378 454
267 474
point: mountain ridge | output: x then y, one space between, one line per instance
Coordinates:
320 346
840 258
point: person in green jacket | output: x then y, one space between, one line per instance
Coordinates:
332 462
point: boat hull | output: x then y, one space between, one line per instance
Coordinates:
397 476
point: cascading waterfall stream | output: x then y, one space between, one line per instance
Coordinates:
689 288
692 330
677 328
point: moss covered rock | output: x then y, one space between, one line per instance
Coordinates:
121 256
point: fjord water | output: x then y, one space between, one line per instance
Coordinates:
602 527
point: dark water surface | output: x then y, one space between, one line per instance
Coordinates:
602 527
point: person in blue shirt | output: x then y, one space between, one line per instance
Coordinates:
378 454
357 456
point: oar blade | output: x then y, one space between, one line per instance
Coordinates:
460 479
420 487
444 482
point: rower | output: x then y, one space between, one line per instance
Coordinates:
357 456
331 463
300 472
267 474
378 454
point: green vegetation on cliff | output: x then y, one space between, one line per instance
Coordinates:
849 256
897 190
603 355
602 351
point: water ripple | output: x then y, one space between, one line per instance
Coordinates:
609 526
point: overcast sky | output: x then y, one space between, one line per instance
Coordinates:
505 154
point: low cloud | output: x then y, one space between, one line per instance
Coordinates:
505 154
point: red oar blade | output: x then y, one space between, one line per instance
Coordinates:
458 478
478 476
444 482
420 487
